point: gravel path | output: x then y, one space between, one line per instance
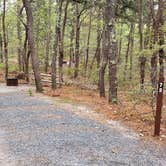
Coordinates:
33 132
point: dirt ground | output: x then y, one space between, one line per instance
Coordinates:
36 129
136 115
134 110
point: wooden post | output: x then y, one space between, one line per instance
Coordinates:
159 106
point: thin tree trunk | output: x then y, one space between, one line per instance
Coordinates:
162 6
5 39
131 53
48 42
1 49
37 28
24 51
77 46
24 59
103 65
88 43
55 47
98 49
120 43
97 55
19 36
128 51
61 49
31 41
142 58
71 56
148 30
27 65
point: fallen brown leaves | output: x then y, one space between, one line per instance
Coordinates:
138 116
54 93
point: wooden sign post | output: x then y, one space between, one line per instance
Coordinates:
159 106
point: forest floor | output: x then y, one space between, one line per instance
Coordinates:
137 115
38 130
133 109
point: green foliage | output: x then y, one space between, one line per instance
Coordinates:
114 101
30 92
69 71
94 75
137 98
13 67
2 66
126 13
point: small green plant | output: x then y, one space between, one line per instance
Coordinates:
1 66
114 101
30 92
13 67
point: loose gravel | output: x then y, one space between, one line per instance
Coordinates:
33 132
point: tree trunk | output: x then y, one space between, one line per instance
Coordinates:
5 39
98 49
162 6
37 28
24 59
55 47
27 65
158 115
31 41
61 49
97 55
88 43
103 65
1 49
142 59
77 46
131 53
111 46
120 43
71 56
154 41
19 36
48 42
128 51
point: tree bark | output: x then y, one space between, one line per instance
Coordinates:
25 51
31 41
120 43
128 51
162 6
97 55
88 43
5 39
131 53
56 41
71 56
103 65
1 49
48 40
111 46
61 48
142 58
77 46
154 58
19 50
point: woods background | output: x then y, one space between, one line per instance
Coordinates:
115 46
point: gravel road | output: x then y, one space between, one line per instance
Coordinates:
34 132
